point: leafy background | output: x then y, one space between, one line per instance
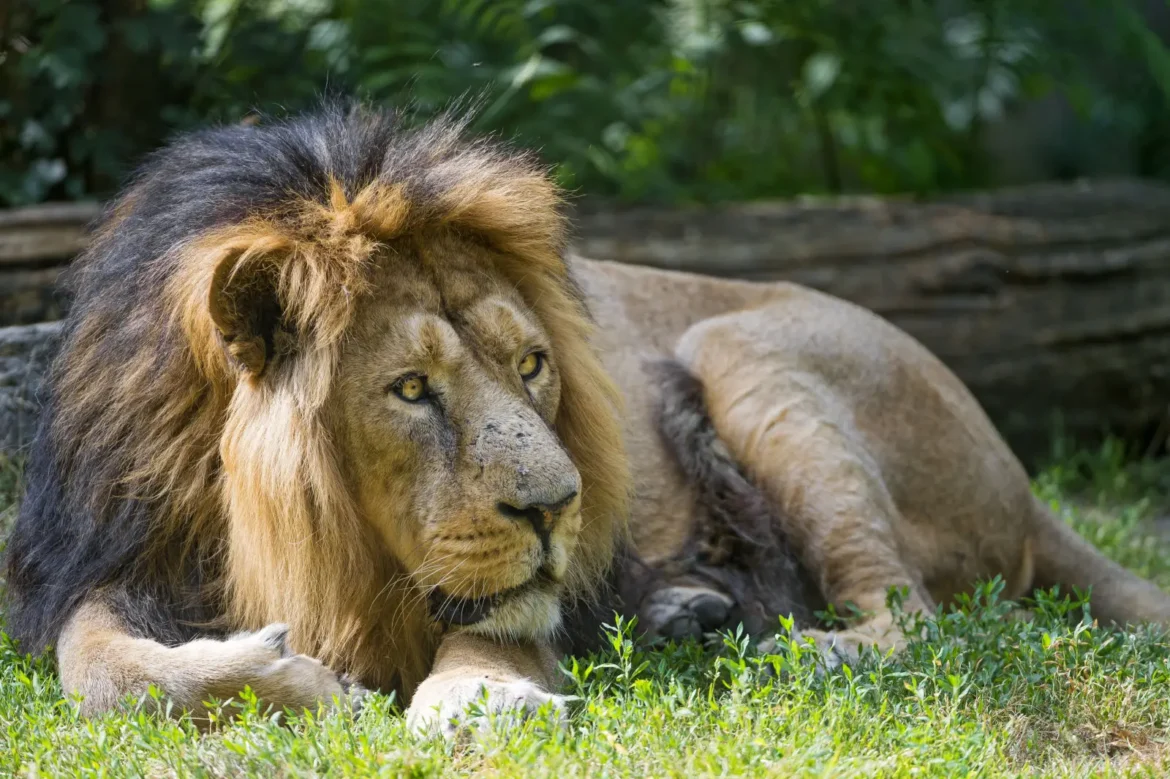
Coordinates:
652 100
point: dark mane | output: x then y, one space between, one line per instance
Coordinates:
737 547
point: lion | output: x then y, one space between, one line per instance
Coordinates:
336 410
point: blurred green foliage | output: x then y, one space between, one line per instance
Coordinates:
666 100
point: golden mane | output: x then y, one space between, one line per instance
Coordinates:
227 437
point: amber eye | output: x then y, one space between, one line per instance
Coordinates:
412 389
530 365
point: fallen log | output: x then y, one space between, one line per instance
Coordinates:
25 353
36 243
1051 302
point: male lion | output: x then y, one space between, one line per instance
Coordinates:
330 407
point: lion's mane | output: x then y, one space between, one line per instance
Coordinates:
198 496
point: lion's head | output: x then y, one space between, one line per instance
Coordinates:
348 369
445 409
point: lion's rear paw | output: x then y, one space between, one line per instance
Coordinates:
835 648
685 612
838 647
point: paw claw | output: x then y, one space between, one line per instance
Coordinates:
355 695
354 692
275 636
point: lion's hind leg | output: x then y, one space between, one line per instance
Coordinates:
796 440
103 664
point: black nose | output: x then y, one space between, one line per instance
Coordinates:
542 516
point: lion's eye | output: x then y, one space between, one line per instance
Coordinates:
412 389
530 365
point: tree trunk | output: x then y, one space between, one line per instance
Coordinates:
1050 302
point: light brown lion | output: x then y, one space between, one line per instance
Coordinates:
331 407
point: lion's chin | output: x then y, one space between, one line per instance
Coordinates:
533 614
530 611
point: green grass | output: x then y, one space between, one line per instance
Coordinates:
982 694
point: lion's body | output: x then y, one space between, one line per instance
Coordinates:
339 375
884 468
809 360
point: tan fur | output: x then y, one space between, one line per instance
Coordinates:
471 670
102 664
887 471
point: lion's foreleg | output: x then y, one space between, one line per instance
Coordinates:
103 664
509 679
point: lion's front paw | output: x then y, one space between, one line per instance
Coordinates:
265 662
449 706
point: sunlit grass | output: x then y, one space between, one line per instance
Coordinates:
981 694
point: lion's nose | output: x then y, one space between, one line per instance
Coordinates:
543 515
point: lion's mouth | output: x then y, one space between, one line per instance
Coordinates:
461 612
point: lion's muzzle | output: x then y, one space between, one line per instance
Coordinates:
543 516
504 537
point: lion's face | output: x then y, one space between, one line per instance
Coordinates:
445 407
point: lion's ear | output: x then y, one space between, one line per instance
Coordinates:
245 308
